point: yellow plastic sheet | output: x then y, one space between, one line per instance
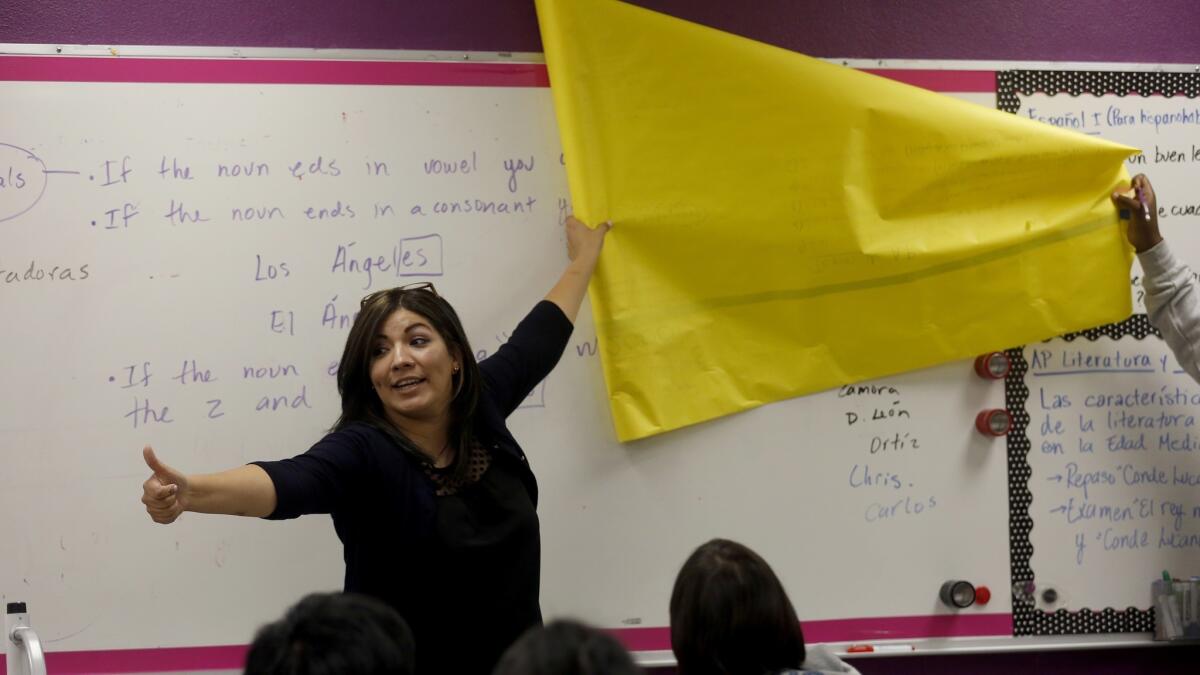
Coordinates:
784 225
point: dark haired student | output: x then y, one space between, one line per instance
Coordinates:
430 494
566 647
731 616
333 634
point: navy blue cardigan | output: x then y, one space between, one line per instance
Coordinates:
382 502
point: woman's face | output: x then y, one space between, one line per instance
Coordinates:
412 369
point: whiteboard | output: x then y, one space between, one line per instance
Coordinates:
206 241
1112 447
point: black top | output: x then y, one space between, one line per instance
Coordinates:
462 569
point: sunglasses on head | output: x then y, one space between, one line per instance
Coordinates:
415 287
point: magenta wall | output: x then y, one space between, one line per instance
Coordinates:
1145 31
1154 31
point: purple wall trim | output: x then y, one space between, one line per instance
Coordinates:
1155 31
1016 30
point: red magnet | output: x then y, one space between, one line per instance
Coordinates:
982 595
993 366
995 422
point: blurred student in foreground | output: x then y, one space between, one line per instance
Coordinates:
333 634
566 648
731 616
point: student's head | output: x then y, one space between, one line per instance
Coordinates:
731 616
566 648
407 359
331 634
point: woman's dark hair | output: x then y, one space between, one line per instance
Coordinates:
566 648
333 634
731 616
360 402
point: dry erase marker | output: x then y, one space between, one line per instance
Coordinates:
879 649
1141 197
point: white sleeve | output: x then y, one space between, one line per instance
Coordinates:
1173 304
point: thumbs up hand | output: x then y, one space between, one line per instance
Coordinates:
165 492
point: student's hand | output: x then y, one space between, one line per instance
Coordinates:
584 243
1143 231
165 492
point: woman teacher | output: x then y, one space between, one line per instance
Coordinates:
432 497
